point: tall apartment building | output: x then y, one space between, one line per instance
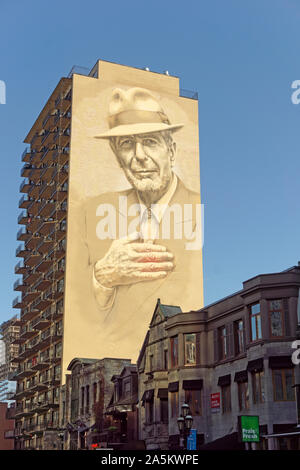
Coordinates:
10 331
63 306
42 249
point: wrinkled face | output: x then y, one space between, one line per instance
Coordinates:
146 160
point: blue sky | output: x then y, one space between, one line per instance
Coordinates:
241 57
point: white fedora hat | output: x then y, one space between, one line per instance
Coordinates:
135 111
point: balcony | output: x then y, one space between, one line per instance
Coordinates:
20 268
57 275
33 259
23 235
64 104
60 195
43 285
27 332
58 314
41 363
34 224
50 122
34 242
19 286
17 302
36 157
29 313
46 190
30 278
62 176
34 207
23 218
26 155
46 245
34 190
47 208
41 303
37 140
35 174
24 202
21 251
57 334
64 139
44 266
48 173
47 227
26 170
25 186
24 371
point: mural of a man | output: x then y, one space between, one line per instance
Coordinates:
139 266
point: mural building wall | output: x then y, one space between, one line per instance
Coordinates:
134 215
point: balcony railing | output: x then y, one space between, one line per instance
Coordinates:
24 156
22 219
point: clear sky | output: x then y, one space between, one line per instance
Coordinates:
241 57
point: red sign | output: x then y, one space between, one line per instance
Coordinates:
215 401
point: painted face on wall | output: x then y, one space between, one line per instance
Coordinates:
146 160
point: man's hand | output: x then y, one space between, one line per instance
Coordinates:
129 261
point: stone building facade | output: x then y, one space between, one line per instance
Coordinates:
84 399
228 359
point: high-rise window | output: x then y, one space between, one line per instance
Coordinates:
255 321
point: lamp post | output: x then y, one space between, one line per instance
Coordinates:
184 422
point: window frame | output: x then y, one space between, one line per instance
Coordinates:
223 342
192 402
239 337
174 357
243 396
258 387
255 316
226 398
282 313
185 349
284 387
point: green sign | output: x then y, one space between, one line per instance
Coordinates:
249 428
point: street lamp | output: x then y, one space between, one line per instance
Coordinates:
184 422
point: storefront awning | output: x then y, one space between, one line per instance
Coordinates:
162 393
224 380
192 384
257 365
241 376
280 362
